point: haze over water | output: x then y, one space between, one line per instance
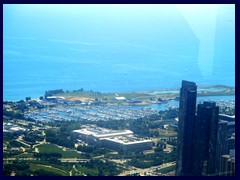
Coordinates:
115 48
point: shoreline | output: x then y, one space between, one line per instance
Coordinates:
164 94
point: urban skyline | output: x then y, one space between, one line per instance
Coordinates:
202 137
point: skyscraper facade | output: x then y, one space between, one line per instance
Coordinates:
222 143
205 135
227 165
201 138
187 110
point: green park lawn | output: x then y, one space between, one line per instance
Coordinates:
35 167
52 148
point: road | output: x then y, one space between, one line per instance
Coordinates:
52 168
73 160
20 139
146 171
13 159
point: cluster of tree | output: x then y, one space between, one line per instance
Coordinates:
143 126
79 90
21 106
35 104
11 154
172 142
141 160
47 155
42 172
16 115
140 164
28 98
23 168
66 127
161 143
158 149
8 136
7 102
149 160
120 155
169 114
160 100
31 137
105 168
53 92
96 93
92 149
55 136
13 114
49 158
134 174
14 143
87 149
17 166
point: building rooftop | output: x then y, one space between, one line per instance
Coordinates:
188 83
127 139
225 115
102 132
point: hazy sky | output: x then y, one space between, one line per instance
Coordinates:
52 17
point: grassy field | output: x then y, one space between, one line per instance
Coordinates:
51 148
145 95
35 167
84 170
87 95
24 155
167 169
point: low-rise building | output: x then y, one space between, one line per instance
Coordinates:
226 117
120 140
11 128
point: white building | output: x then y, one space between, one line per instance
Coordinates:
121 140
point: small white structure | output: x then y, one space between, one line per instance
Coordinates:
120 98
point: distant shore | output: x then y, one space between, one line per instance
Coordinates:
141 97
144 97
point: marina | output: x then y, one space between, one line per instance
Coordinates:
91 112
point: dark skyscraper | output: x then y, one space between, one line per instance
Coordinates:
205 135
199 139
227 165
187 109
222 142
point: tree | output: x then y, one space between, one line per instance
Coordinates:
42 172
41 97
159 149
159 99
28 98
100 173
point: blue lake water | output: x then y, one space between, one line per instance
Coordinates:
200 99
111 53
